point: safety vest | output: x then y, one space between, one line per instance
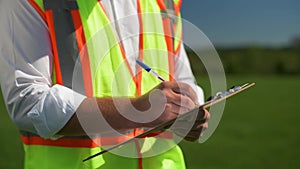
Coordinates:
82 34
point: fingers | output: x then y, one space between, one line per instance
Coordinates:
180 96
181 89
175 109
201 127
196 132
203 115
180 101
192 133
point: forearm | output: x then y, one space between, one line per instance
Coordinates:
100 115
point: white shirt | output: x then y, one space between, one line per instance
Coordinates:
34 104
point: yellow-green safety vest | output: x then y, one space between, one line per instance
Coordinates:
91 39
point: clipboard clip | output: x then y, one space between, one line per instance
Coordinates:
233 89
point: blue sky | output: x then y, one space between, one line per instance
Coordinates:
242 22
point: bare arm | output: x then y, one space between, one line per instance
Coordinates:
90 115
170 99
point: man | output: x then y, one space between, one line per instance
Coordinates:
49 48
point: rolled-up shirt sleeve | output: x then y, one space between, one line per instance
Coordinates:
54 109
33 102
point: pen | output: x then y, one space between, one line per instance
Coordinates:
148 69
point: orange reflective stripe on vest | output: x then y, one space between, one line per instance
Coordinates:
70 44
86 141
55 17
83 53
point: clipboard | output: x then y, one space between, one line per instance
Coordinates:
218 97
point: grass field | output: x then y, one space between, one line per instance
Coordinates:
260 129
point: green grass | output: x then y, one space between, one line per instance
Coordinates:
259 129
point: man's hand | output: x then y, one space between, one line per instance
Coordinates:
197 130
179 99
174 97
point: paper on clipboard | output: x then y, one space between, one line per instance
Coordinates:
213 100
